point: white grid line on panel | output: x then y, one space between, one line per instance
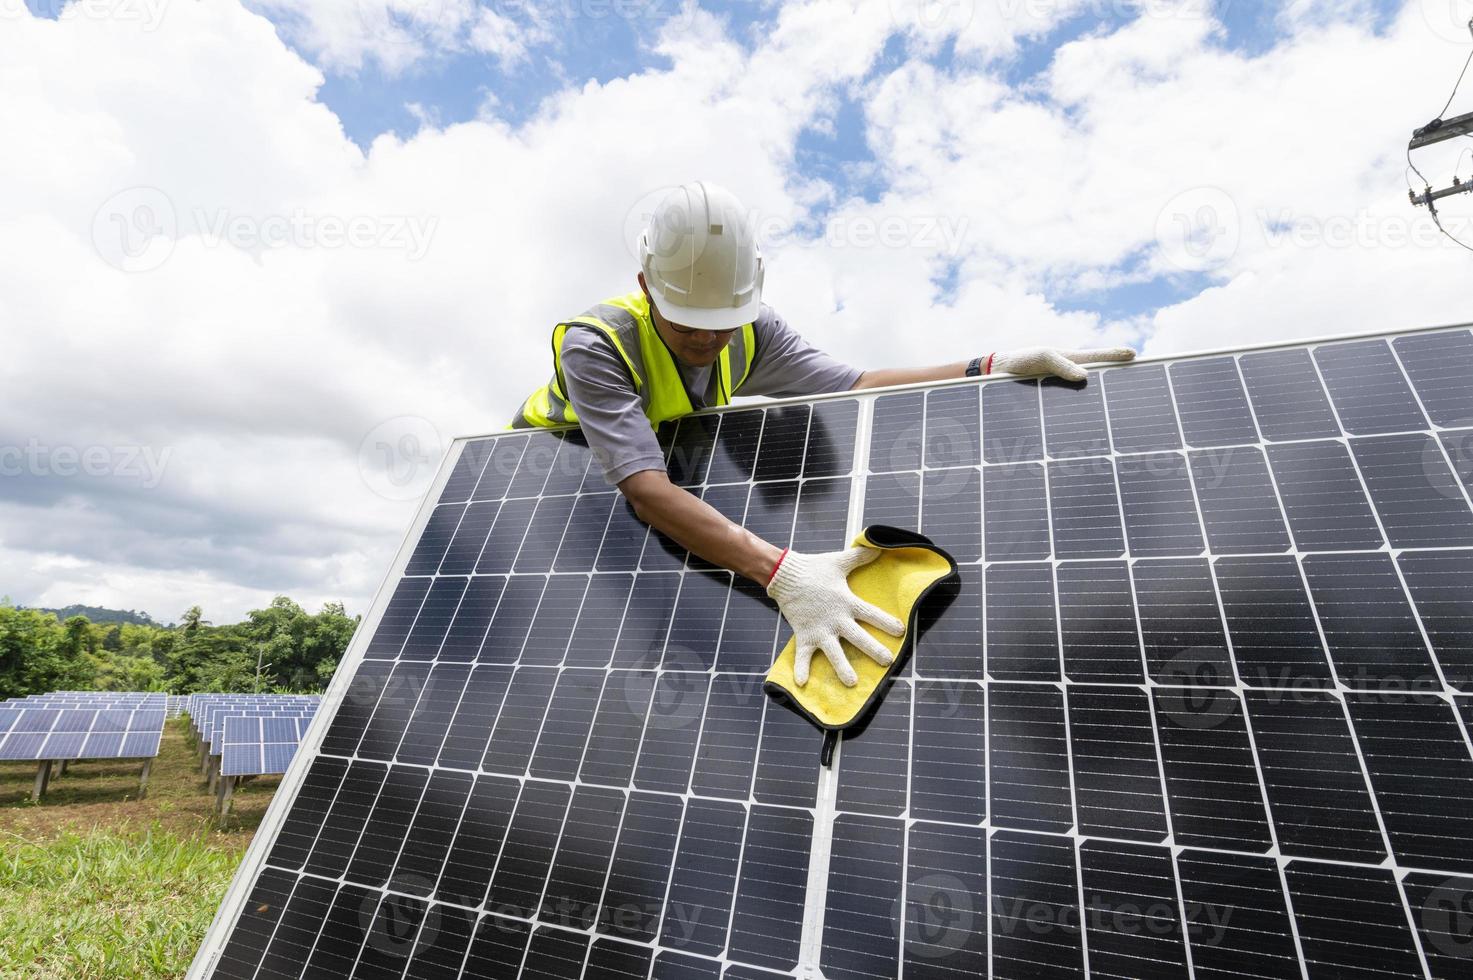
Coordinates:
815 899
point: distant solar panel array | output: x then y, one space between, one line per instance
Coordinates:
243 735
1198 705
255 746
66 726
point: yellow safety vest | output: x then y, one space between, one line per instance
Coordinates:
625 320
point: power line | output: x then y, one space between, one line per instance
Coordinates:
1435 131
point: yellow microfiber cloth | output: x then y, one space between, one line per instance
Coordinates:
908 568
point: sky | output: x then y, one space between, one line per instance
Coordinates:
262 260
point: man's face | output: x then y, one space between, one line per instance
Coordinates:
693 348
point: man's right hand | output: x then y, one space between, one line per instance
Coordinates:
814 595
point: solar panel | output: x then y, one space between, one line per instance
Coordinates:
221 717
255 746
1198 703
36 734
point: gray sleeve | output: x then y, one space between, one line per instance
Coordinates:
787 365
608 407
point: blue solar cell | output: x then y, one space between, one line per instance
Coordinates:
103 745
140 745
146 720
64 745
112 720
277 757
42 720
241 759
22 745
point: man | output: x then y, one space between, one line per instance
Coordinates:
695 334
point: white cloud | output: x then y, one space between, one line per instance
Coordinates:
315 295
344 34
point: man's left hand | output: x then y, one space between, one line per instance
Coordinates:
1048 360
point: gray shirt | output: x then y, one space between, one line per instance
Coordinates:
612 416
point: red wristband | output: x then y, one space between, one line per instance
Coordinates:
987 369
777 566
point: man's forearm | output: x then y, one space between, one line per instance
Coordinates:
698 526
884 377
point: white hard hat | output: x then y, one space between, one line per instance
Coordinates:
700 259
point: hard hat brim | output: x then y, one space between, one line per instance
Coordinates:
701 318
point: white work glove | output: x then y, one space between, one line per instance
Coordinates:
1047 360
813 593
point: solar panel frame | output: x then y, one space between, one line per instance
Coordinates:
1195 871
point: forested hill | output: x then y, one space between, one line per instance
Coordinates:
279 648
101 614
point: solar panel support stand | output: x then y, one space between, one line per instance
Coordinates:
143 778
213 762
61 770
222 796
43 778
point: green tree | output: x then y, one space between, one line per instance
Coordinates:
291 644
38 654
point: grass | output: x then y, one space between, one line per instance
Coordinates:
98 883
